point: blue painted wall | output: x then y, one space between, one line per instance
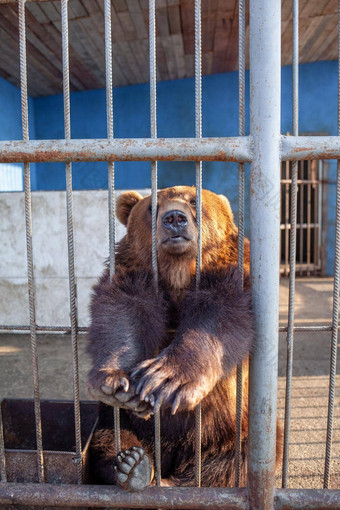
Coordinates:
175 119
318 85
318 107
10 119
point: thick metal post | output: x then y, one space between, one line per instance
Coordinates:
265 81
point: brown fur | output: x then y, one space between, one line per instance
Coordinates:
213 333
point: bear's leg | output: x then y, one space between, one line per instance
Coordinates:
133 469
218 470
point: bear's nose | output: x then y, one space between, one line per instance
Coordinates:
173 219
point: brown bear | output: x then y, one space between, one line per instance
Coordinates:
172 347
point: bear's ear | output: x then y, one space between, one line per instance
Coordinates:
227 204
125 203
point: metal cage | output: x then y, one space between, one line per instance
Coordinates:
264 148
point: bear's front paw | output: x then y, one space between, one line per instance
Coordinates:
108 381
133 469
112 387
163 381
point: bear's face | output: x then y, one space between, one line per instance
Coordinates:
176 228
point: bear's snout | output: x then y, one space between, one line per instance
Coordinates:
174 220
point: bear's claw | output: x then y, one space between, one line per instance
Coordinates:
133 469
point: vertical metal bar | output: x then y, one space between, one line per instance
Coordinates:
315 213
265 97
320 178
287 220
154 179
198 134
309 213
241 121
302 213
335 319
29 245
3 473
292 248
111 172
70 237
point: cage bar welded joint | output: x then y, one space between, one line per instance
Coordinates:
264 148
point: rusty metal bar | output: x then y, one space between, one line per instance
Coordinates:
310 147
241 132
111 171
239 149
154 186
70 237
335 315
265 100
198 176
127 149
292 248
101 496
307 499
29 245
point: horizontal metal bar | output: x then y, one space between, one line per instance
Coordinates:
300 267
299 225
95 496
237 148
42 329
67 329
310 147
16 1
311 499
303 329
159 497
300 181
127 149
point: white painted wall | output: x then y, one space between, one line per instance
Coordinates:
50 254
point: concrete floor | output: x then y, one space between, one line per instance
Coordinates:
310 379
310 385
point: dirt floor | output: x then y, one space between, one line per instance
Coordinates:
310 379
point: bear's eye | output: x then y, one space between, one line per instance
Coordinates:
193 202
150 209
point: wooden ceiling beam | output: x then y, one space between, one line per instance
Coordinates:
130 47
